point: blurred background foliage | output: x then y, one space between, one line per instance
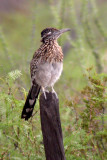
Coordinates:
81 89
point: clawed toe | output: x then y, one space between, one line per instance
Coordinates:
45 94
53 91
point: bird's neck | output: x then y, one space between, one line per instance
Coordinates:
52 50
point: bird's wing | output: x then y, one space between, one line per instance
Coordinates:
34 63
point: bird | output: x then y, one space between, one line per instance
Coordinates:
46 67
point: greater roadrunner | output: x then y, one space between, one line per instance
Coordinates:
46 67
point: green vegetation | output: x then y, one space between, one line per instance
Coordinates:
82 88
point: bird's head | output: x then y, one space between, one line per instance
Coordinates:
52 33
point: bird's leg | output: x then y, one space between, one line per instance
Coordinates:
46 90
43 91
53 91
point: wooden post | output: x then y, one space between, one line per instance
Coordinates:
51 127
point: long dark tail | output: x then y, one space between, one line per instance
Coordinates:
30 101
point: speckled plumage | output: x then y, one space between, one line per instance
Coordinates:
45 67
42 66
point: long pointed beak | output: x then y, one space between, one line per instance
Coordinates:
60 32
64 30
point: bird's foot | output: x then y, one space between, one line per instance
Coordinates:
44 92
53 91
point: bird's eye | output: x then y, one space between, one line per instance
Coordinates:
49 33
